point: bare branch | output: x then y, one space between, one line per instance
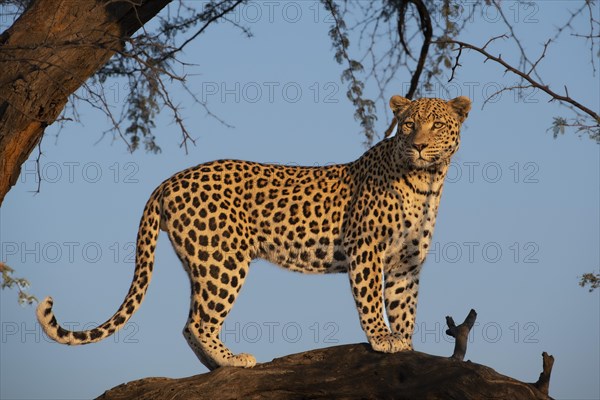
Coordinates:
461 334
493 39
593 23
207 23
534 65
456 64
543 383
101 104
164 93
505 89
568 23
427 30
546 89
206 109
402 26
145 61
38 167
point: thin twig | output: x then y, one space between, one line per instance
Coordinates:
456 65
38 168
534 65
201 30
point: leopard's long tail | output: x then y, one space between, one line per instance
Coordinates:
144 260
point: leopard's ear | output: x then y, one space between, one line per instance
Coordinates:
461 106
398 104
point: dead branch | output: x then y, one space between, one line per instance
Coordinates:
456 65
461 334
164 94
543 383
534 65
545 88
207 23
427 29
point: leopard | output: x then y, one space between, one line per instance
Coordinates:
372 219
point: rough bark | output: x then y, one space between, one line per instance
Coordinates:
45 56
342 372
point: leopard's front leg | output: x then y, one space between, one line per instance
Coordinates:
400 294
366 278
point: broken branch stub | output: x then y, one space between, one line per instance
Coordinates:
461 334
543 383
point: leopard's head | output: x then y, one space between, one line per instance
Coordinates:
428 129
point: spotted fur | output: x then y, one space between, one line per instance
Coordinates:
372 218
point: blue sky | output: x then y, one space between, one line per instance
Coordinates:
518 222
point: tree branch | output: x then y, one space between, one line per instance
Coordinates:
427 29
456 64
207 22
545 88
543 383
461 334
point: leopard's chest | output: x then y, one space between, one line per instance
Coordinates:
408 242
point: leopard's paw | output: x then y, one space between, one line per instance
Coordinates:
243 360
389 343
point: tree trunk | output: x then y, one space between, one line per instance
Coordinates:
342 372
45 56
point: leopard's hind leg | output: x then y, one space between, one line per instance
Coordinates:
215 285
217 270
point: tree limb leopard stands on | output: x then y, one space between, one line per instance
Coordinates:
461 334
352 371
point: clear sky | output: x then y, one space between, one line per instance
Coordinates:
518 222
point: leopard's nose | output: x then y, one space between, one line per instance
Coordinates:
419 146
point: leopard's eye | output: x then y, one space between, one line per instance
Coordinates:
409 124
438 125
